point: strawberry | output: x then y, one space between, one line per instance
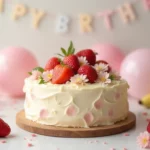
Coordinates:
69 58
62 74
72 61
148 128
89 54
104 62
89 71
4 128
52 62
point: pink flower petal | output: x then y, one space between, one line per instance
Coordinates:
71 111
98 104
44 113
110 113
88 117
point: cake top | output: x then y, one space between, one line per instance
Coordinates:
75 68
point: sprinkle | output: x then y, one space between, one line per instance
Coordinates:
126 134
144 113
3 141
34 135
30 145
112 149
105 143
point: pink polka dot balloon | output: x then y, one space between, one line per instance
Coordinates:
15 63
135 69
110 53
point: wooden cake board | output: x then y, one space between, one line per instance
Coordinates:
33 127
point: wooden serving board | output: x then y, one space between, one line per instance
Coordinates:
33 127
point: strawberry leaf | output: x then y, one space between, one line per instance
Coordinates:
64 51
60 55
111 77
40 69
41 81
70 48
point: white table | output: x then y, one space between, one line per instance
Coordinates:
15 141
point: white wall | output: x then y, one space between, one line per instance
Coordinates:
44 42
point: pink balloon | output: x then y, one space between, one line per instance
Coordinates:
136 70
15 63
110 53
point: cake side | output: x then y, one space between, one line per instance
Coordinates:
72 105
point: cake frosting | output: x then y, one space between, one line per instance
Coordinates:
72 105
75 90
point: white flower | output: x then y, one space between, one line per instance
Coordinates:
47 75
79 79
82 60
103 78
35 75
101 67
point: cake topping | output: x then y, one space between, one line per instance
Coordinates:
78 68
62 74
69 58
89 71
52 62
89 54
82 61
79 79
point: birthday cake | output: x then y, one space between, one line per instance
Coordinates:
75 90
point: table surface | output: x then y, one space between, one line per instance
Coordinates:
20 139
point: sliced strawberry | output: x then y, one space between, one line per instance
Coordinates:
104 62
89 54
4 128
89 71
62 74
72 61
52 62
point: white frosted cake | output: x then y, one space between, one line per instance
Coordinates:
77 91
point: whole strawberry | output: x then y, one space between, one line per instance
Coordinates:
89 54
4 128
52 62
69 58
62 74
148 128
104 62
89 71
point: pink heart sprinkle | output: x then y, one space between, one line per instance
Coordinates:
30 145
3 141
88 117
71 111
126 134
112 149
34 135
98 104
44 113
110 113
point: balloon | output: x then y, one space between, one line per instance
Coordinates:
135 69
110 53
15 63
